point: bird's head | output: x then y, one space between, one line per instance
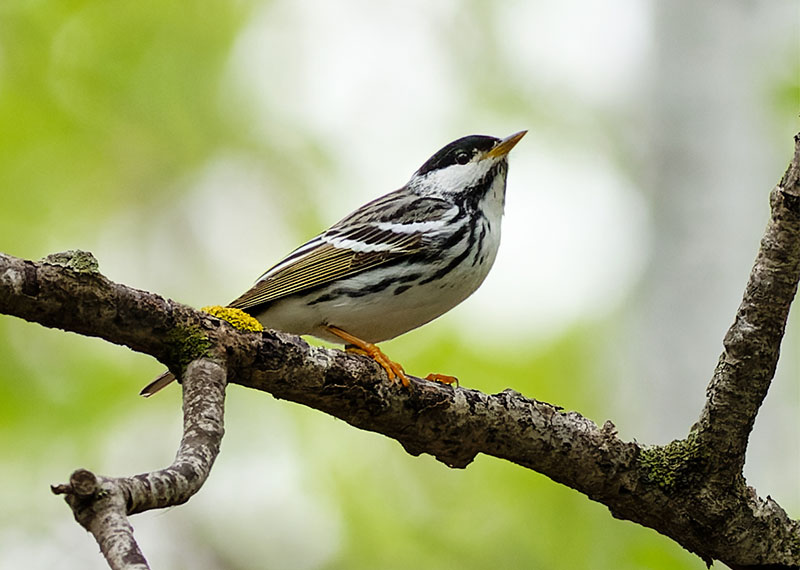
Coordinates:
465 164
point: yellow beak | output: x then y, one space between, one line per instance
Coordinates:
505 145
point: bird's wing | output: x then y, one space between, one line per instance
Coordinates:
389 227
336 254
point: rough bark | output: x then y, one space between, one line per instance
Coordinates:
691 490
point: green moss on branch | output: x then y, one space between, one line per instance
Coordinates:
671 466
186 343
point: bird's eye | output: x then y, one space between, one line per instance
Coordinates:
462 157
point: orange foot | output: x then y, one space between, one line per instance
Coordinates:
393 369
443 378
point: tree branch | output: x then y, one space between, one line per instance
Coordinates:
752 344
691 490
102 504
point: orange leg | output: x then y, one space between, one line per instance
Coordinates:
393 369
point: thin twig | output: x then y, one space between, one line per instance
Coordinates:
102 504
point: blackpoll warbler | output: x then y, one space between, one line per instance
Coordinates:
397 262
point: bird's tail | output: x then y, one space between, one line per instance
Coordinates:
165 379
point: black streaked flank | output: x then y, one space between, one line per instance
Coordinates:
374 288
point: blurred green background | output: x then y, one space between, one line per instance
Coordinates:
189 146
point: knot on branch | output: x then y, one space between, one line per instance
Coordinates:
82 483
89 496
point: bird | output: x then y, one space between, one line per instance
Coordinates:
394 264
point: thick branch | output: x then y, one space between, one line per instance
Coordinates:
102 504
655 487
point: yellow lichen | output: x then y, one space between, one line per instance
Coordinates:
236 317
